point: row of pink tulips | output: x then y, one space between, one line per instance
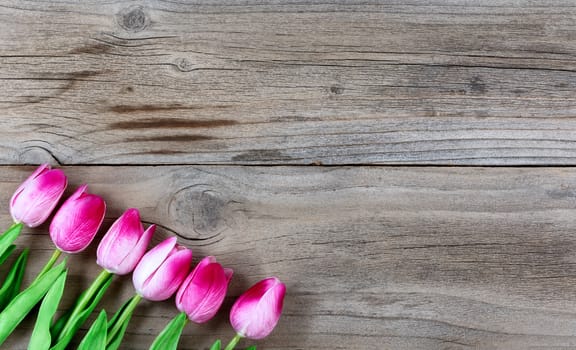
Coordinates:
157 274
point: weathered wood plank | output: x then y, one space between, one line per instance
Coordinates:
374 257
242 82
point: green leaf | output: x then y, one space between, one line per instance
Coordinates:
13 281
95 339
169 337
76 321
118 313
114 342
253 347
8 237
119 322
57 326
7 253
217 345
41 338
21 305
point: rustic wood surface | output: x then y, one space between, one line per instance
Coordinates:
246 82
406 167
373 257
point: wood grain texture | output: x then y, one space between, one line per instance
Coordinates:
373 257
156 104
250 82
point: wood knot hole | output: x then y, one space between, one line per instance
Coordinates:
204 212
184 65
477 85
133 19
336 90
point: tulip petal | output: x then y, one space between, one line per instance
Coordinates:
257 311
77 222
209 290
186 287
168 277
180 294
229 273
135 252
150 262
27 182
203 291
120 242
30 178
35 199
80 191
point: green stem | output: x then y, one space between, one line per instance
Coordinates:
233 342
85 299
55 255
126 314
13 225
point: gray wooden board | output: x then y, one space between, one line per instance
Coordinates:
373 257
249 82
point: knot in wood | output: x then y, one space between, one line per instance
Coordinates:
202 213
336 90
36 154
133 19
184 65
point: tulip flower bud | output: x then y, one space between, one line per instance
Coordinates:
77 221
203 291
123 245
257 311
161 271
36 197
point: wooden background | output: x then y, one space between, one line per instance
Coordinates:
406 167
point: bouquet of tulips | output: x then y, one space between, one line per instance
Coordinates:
156 275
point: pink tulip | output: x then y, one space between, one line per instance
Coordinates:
203 291
36 197
123 245
257 311
77 221
162 270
